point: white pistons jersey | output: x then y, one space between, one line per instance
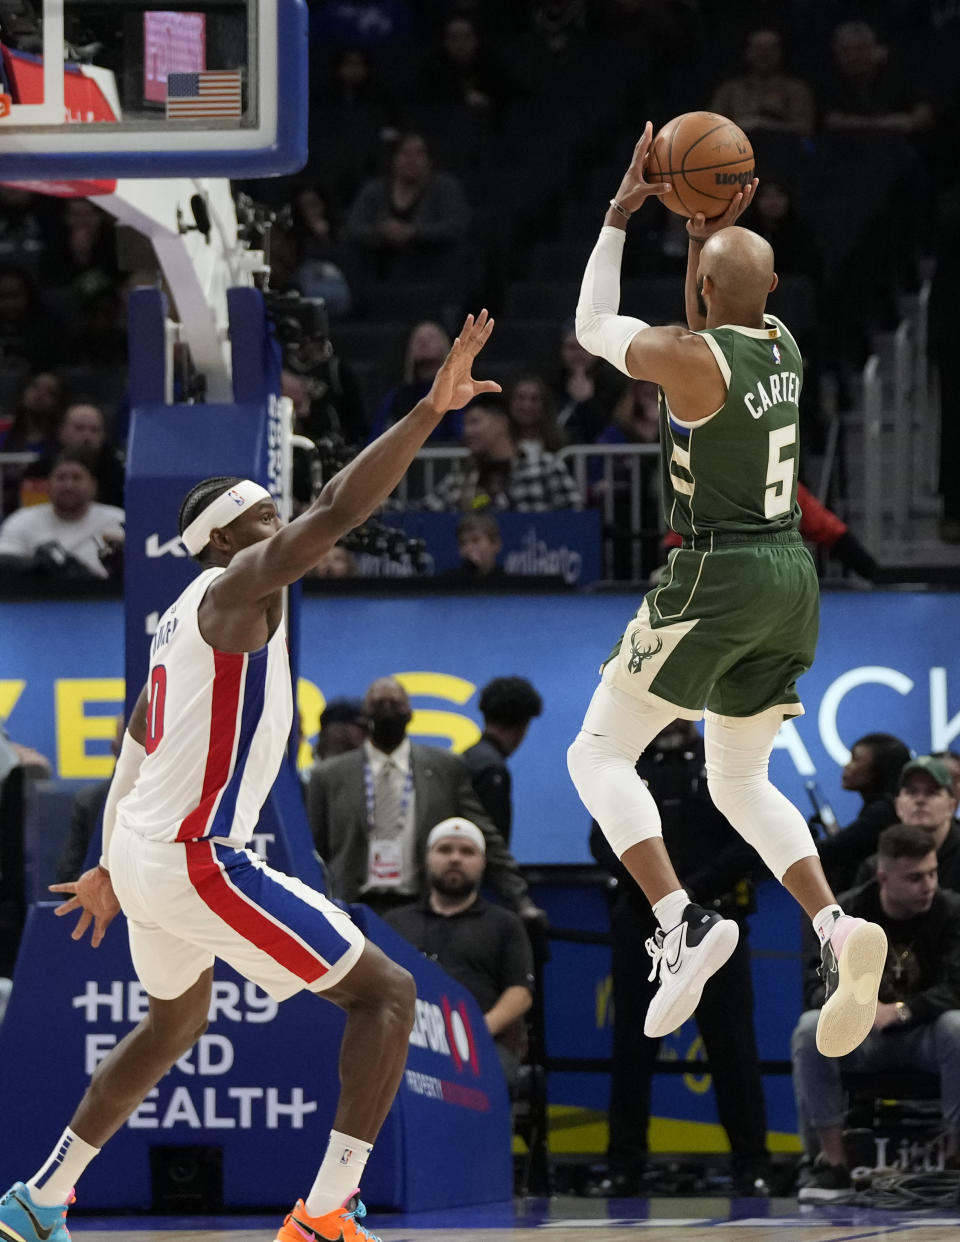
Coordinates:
217 726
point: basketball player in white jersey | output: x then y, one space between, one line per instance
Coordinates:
203 747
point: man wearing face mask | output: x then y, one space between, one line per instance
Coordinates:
371 811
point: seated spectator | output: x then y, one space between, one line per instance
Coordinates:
85 818
64 536
765 97
427 346
82 252
83 430
479 544
586 389
636 420
465 70
951 761
343 727
326 395
316 274
20 755
498 475
19 766
530 405
352 86
371 811
23 225
873 771
484 947
410 222
98 331
507 705
558 26
636 416
926 799
866 90
337 563
27 335
33 430
772 214
917 1026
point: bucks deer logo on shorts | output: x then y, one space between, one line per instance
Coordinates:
639 654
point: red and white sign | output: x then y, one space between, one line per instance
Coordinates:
84 101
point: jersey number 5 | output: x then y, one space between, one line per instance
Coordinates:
156 703
778 496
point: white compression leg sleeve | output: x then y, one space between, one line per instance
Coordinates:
738 755
601 761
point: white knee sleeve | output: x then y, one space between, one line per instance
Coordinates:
612 792
602 765
738 755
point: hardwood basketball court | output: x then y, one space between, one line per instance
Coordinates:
566 1219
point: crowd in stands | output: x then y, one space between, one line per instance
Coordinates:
461 155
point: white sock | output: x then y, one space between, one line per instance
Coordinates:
669 909
825 920
53 1183
339 1175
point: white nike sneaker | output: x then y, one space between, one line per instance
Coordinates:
686 956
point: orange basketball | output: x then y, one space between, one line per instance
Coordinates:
706 158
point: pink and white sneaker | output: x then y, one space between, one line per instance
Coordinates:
852 962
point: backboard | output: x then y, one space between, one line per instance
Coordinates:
99 89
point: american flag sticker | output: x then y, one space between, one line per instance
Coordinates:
209 93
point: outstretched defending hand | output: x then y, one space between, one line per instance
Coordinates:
93 894
634 188
454 386
699 227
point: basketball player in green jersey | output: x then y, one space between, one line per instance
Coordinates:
733 623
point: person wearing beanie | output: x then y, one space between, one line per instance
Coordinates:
484 947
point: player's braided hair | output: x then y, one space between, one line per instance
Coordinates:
203 494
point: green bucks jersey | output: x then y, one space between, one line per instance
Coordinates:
736 470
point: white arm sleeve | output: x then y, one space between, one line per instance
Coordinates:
600 330
125 774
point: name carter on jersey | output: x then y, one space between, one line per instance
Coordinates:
784 387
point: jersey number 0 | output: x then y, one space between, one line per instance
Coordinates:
155 705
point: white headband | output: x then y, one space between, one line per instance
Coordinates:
221 513
457 827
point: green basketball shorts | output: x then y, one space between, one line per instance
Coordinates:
731 627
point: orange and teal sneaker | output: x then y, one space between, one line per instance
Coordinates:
340 1225
22 1220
